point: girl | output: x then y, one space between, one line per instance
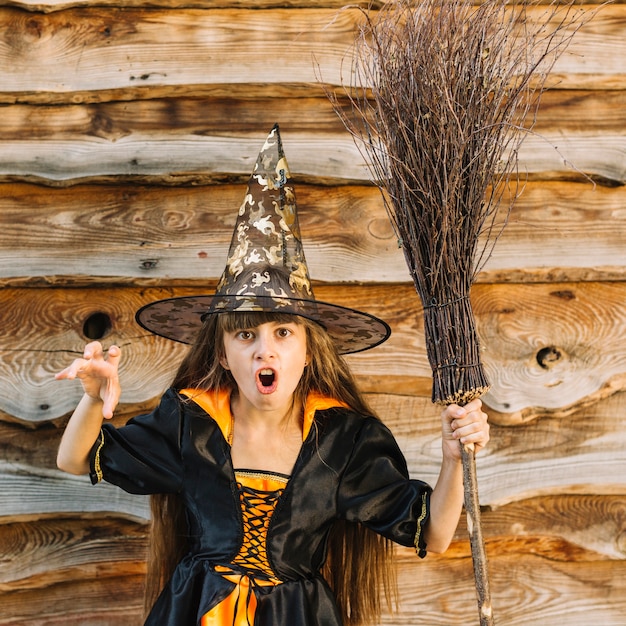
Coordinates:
275 491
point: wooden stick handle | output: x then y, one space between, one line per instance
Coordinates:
474 526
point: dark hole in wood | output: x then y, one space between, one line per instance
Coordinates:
97 326
547 357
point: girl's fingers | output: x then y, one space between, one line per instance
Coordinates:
93 350
93 364
111 398
469 423
113 357
71 371
476 431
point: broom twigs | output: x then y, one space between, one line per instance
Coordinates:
454 351
455 81
441 98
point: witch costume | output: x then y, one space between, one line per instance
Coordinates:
257 540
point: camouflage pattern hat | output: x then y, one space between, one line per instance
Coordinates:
266 269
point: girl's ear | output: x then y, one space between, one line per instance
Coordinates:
223 361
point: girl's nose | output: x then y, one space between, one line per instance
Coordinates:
265 345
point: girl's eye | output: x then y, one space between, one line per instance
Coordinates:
244 334
284 332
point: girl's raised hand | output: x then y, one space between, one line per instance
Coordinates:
98 375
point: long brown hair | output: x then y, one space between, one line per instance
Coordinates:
359 565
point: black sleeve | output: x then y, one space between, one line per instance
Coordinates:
376 490
144 456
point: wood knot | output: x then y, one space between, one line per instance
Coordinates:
548 357
380 229
97 326
564 294
148 264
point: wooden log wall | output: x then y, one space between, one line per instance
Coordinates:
127 133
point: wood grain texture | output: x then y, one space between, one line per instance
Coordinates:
560 111
549 226
40 341
82 50
556 527
183 234
95 48
162 157
37 554
525 592
172 140
552 347
58 5
30 493
156 235
114 600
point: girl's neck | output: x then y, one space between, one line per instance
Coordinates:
266 440
281 418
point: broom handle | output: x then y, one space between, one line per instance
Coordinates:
474 526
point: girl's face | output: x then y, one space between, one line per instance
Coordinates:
267 362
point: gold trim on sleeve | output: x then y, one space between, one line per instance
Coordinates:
96 460
420 520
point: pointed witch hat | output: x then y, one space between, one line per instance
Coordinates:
266 269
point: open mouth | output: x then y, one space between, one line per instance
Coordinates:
267 377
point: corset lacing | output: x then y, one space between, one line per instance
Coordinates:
250 569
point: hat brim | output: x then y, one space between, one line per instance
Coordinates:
181 318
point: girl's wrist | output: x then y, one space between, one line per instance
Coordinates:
452 450
452 460
89 407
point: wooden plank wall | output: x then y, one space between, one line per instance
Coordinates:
127 132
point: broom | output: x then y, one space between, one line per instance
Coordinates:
442 94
